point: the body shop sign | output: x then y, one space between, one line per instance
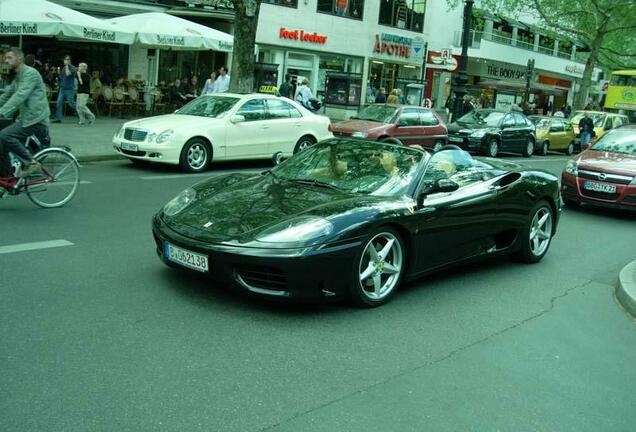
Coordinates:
301 35
497 70
393 45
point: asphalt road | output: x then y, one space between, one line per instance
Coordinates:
99 335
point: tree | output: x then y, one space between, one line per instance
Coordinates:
245 23
605 27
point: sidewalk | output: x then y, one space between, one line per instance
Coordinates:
626 289
88 143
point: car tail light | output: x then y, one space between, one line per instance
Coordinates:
330 128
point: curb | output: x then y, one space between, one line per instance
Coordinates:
99 158
626 288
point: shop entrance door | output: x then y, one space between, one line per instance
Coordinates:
301 66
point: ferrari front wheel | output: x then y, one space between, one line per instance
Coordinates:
378 268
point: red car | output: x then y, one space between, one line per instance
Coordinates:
410 124
605 174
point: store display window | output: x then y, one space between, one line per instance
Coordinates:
343 88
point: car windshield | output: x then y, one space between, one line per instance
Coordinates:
378 113
488 118
209 106
597 118
617 141
540 123
355 167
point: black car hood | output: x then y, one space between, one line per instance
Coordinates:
455 127
239 207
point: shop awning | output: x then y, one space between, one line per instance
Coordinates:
160 30
521 86
43 18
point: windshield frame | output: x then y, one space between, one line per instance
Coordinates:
389 119
409 191
200 99
479 113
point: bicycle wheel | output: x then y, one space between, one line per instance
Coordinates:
58 182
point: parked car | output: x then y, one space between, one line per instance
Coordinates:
491 131
352 218
603 122
553 133
222 127
412 125
605 174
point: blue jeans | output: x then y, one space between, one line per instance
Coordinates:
585 138
69 95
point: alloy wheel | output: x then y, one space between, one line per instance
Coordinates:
529 147
197 156
380 266
437 146
493 148
540 231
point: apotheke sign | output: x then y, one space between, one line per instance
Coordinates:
300 35
392 45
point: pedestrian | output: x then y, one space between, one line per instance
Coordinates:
393 97
208 87
96 86
67 88
400 96
83 92
223 81
193 88
381 96
304 94
287 89
567 110
586 130
468 105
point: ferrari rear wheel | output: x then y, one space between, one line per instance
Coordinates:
378 269
438 146
536 237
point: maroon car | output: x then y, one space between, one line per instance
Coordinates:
410 124
605 174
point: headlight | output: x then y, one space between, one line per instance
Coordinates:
359 134
571 168
180 202
151 137
302 228
164 136
478 133
120 134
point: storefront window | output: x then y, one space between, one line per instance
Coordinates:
343 88
186 64
404 14
288 3
344 8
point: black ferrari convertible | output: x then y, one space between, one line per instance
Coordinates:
353 218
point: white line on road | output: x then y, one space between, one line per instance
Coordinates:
34 246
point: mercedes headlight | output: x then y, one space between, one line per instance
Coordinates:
120 134
359 134
302 228
179 202
478 133
164 136
571 168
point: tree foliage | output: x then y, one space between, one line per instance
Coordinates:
606 28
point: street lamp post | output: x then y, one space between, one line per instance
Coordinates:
462 79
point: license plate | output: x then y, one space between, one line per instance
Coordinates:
186 258
455 139
130 147
599 187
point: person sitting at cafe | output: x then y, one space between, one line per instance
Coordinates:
177 98
193 88
95 86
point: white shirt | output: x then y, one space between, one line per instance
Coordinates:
303 94
559 114
222 84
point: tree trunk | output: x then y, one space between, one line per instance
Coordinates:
245 22
580 99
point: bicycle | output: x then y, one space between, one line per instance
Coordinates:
57 182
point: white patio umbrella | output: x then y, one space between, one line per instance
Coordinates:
160 30
43 18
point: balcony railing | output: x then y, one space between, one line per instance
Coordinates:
475 38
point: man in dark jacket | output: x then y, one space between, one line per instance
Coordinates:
287 89
586 129
27 95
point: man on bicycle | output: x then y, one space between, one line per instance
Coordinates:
27 95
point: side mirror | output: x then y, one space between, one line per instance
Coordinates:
237 119
441 185
277 157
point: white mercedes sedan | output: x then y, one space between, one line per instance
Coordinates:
222 127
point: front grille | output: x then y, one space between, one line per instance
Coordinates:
133 153
263 277
600 195
630 199
137 135
608 178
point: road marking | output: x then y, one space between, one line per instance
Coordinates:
22 247
185 176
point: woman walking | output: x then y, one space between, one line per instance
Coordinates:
83 91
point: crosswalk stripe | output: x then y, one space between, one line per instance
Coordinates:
22 247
